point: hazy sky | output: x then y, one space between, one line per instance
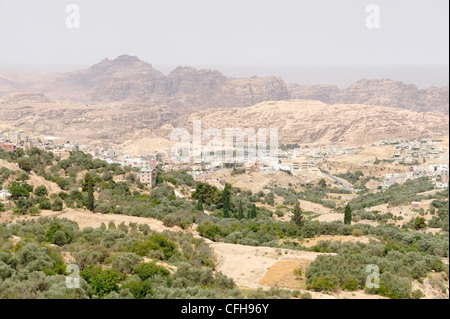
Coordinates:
307 41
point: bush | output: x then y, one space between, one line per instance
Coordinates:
59 238
305 295
45 204
350 284
419 223
323 283
357 232
57 204
101 281
298 273
125 262
149 270
41 191
417 294
139 289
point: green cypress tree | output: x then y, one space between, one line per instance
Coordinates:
253 211
240 210
348 214
226 200
89 183
298 215
199 203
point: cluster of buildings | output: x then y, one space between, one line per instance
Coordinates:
438 174
410 152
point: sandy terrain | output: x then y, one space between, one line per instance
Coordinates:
248 265
405 211
430 286
378 151
330 217
145 146
256 181
314 241
313 207
264 267
87 219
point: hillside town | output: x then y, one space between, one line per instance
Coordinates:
417 155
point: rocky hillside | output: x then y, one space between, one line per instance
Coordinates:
24 97
378 92
300 121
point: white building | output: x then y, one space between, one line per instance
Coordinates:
4 195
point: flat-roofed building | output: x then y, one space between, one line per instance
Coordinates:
148 176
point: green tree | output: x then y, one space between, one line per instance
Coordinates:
347 214
226 200
322 183
199 205
149 270
419 223
89 186
298 215
101 281
40 191
24 164
57 204
18 191
240 210
252 213
139 289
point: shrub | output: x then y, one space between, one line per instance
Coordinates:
45 204
305 295
322 283
298 273
57 204
419 223
148 270
139 289
125 262
101 281
357 232
59 238
417 294
350 284
40 191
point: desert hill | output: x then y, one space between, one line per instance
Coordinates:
298 121
303 122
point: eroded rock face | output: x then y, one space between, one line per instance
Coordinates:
378 92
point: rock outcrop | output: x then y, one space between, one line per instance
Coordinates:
378 92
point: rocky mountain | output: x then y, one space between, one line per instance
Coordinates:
127 79
130 80
383 92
